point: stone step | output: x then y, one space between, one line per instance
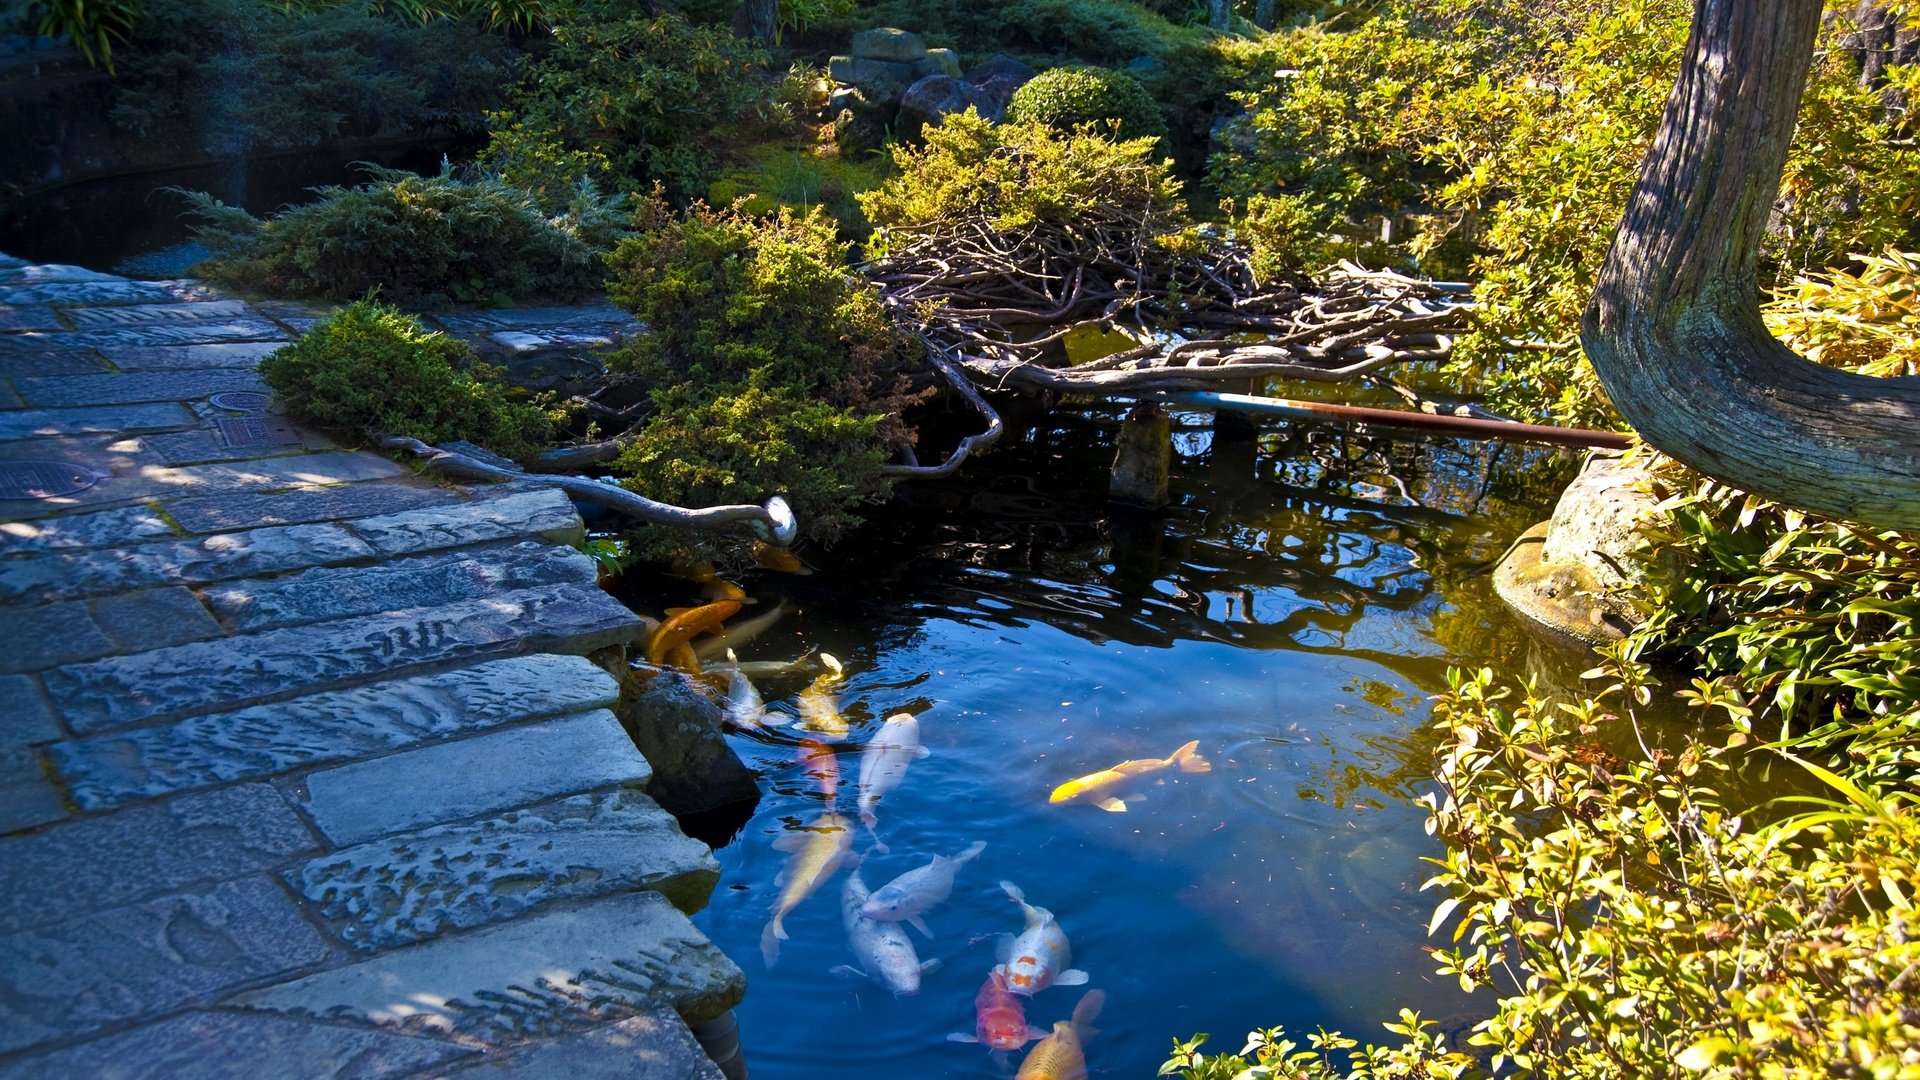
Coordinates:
457 780
106 290
208 1045
255 668
544 513
419 885
127 389
245 355
654 1046
52 362
414 582
96 420
49 273
30 317
103 528
336 725
102 318
304 505
206 333
139 474
550 973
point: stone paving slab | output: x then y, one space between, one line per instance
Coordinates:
96 420
9 398
154 618
418 885
52 362
52 273
101 318
547 974
27 798
199 333
449 781
25 715
46 578
203 446
337 725
420 581
104 528
140 474
116 389
244 355
545 513
253 668
220 513
40 636
533 318
29 317
147 958
306 470
207 1045
102 862
107 289
653 1046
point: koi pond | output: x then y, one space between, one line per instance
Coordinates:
1291 611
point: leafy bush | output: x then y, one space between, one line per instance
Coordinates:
1064 98
654 96
800 179
415 239
372 369
774 369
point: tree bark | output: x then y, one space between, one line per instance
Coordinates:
1218 14
757 19
1674 329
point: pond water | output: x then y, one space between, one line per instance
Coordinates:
1292 611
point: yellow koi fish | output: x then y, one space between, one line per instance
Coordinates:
1098 788
816 852
820 706
1062 1055
682 625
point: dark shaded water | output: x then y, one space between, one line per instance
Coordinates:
1292 611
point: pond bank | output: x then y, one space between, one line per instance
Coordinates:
304 759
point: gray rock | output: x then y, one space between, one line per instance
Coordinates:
245 355
463 779
96 420
153 618
96 863
203 1045
83 974
929 101
880 80
653 1046
992 97
109 290
551 973
250 668
843 99
52 362
678 729
299 506
44 578
1576 573
105 528
206 333
421 581
536 318
543 513
887 43
26 797
53 273
418 885
29 317
546 361
101 318
337 725
999 66
45 635
25 716
139 386
939 62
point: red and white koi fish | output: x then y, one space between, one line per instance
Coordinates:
999 1020
1062 1055
883 764
816 852
1039 956
823 765
1099 788
885 952
907 897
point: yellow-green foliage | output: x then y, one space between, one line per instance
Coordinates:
799 180
1867 321
370 369
1064 98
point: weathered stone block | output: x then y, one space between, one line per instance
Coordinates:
678 729
940 62
240 1046
887 43
108 290
244 355
25 716
9 399
152 334
882 80
251 668
304 470
29 317
26 797
534 318
96 420
336 725
44 578
101 318
463 779
24 365
547 514
421 884
44 635
112 966
219 513
548 974
52 273
105 528
654 1046
929 101
154 618
103 862
116 389
204 446
417 582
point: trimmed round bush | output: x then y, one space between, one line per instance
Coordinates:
1066 97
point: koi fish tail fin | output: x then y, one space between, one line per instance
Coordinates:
1086 1012
1189 759
770 940
733 662
973 851
1013 892
963 1037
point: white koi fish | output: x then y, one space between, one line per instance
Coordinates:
712 648
884 950
745 710
883 764
815 853
912 894
1039 956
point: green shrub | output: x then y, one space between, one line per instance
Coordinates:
419 240
654 97
800 179
1064 98
775 370
372 369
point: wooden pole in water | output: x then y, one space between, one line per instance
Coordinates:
1465 426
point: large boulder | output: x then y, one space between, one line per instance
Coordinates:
677 729
1576 572
887 43
939 62
879 80
928 101
994 83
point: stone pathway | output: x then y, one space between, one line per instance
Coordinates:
303 768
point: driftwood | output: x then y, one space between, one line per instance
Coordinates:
773 522
972 444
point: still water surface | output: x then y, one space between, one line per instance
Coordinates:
1292 611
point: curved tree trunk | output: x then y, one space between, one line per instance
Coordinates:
1674 328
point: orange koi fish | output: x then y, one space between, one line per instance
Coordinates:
822 764
681 627
1061 1055
1098 788
816 852
999 1020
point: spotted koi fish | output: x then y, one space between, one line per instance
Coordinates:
1038 957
